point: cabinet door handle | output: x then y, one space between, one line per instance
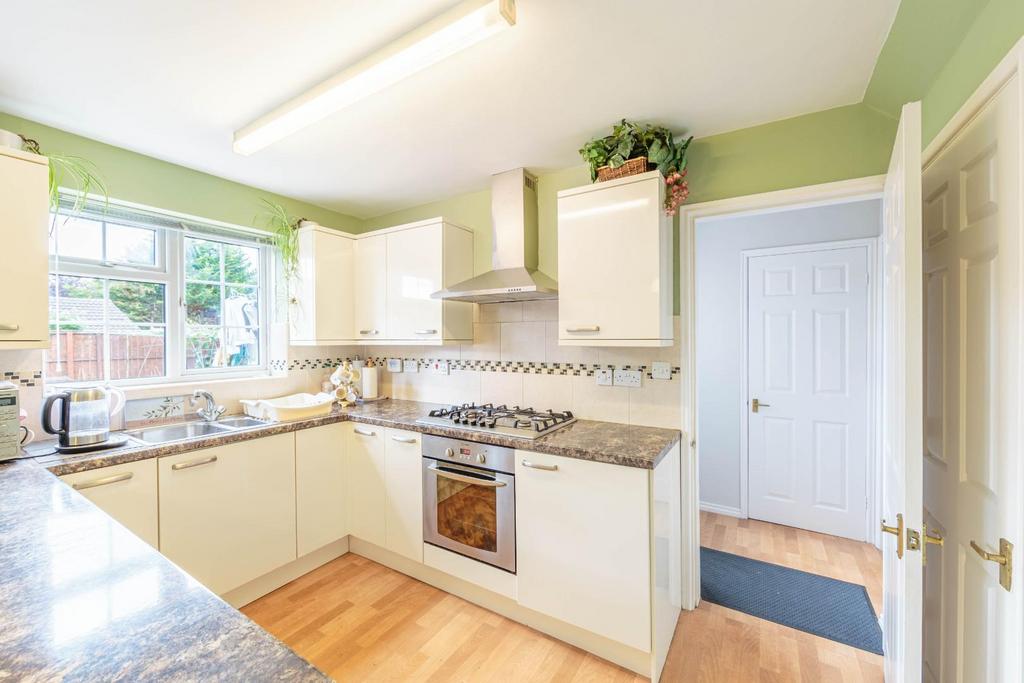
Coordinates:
193 463
426 332
368 332
363 432
404 439
102 481
6 327
583 328
535 466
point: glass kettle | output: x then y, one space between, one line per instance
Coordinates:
84 416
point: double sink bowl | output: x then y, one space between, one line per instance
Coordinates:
192 430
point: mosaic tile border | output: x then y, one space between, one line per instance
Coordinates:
25 378
524 367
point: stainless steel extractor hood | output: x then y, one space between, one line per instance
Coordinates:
514 275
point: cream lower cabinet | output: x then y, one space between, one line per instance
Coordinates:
583 545
320 481
615 264
367 495
227 514
125 492
404 481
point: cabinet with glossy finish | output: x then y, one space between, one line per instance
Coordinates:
24 208
615 264
371 284
125 492
404 476
320 481
321 296
227 514
367 483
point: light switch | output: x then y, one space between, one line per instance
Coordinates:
627 378
411 365
661 370
604 377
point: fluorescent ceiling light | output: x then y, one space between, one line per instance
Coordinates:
464 25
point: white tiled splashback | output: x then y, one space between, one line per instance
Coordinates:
515 359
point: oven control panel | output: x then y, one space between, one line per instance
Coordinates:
486 456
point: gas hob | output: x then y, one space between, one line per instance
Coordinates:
525 423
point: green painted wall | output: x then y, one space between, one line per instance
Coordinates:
137 178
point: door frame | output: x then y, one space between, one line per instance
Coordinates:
872 463
841 191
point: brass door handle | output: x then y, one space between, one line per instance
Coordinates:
1004 558
896 531
755 405
934 539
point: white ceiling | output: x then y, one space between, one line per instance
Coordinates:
174 80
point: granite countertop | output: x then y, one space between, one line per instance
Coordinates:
609 442
84 599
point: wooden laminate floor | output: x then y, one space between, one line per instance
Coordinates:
360 621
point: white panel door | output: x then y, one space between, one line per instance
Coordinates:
807 352
371 283
902 398
415 261
972 492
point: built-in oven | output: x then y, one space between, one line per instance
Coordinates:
469 499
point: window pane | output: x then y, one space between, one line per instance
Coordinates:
202 259
140 302
131 245
241 264
203 348
77 310
241 346
241 306
202 304
137 351
79 238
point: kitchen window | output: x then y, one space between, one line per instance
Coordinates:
141 296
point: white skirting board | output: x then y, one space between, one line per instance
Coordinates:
722 510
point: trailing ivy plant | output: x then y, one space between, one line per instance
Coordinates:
630 140
285 235
70 172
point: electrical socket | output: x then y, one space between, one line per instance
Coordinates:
604 377
410 365
439 367
661 370
627 378
394 364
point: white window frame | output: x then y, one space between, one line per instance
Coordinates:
170 272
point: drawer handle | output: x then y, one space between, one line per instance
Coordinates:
368 332
5 327
535 466
584 328
404 439
193 463
362 432
426 332
102 481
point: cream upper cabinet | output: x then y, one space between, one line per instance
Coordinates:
404 475
320 466
423 258
24 210
367 484
371 285
615 264
227 514
321 297
125 492
583 544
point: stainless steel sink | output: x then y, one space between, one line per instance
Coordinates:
241 422
178 432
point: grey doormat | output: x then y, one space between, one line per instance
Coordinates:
830 608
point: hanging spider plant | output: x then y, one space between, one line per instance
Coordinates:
70 172
285 235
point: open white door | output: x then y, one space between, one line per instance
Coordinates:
902 398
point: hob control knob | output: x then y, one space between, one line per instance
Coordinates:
481 458
449 452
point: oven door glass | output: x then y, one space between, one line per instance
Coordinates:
471 512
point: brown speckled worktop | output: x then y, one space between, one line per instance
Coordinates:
610 442
84 599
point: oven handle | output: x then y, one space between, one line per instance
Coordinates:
447 474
